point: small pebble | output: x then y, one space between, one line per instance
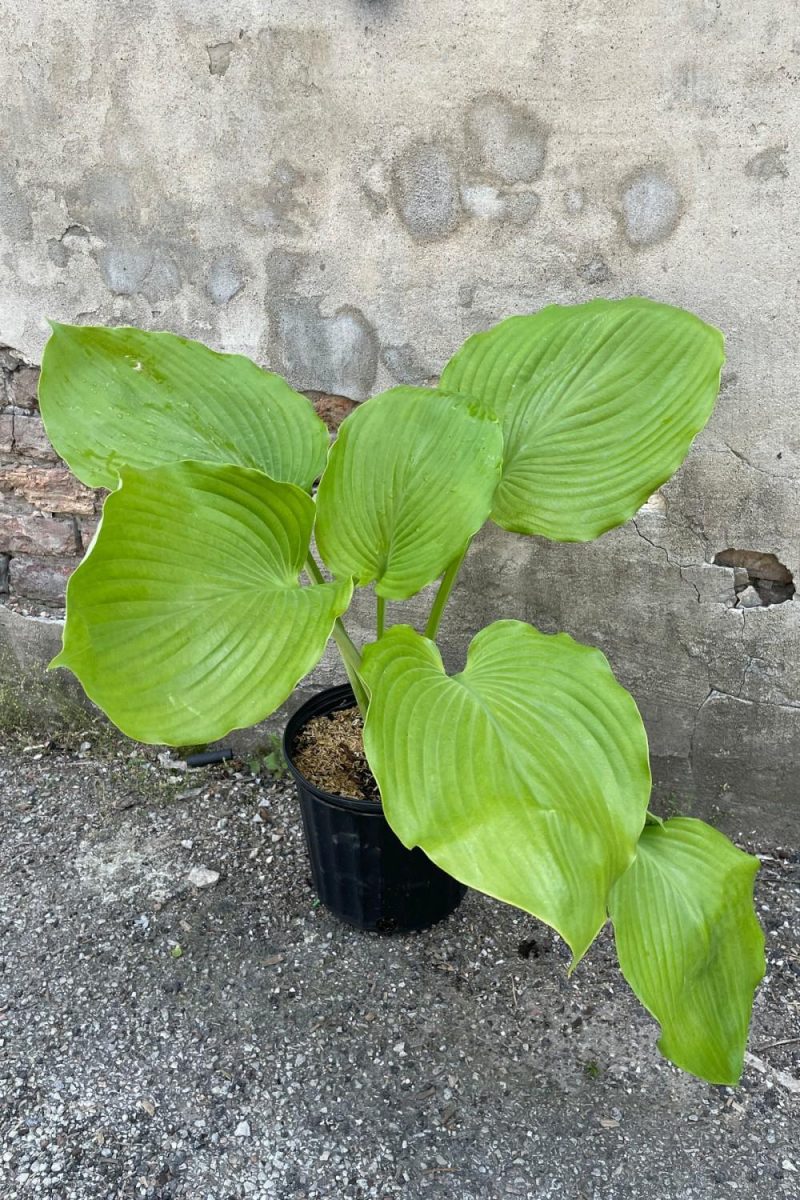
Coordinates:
202 877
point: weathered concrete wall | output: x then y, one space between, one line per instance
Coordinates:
347 191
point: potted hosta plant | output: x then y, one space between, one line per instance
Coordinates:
526 774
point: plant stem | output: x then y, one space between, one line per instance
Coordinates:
352 661
312 570
443 594
380 622
347 650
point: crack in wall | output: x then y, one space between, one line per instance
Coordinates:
761 470
691 755
749 657
744 459
672 562
717 694
784 704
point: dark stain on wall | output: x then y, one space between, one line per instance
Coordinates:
768 164
650 207
336 354
505 141
425 191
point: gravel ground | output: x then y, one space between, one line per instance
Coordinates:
226 1038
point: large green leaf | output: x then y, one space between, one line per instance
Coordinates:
186 618
409 480
690 945
525 776
599 404
122 397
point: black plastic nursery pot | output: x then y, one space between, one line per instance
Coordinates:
361 870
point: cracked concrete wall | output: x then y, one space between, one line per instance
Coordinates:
348 191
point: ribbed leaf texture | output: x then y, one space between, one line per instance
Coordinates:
409 480
690 945
186 618
525 776
599 403
123 397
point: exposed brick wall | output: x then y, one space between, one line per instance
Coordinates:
46 516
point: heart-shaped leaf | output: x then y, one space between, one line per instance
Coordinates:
599 403
186 618
689 943
123 397
525 776
409 480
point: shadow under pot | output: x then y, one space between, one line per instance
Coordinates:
361 870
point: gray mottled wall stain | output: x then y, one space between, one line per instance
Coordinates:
405 365
219 57
503 146
337 353
225 279
347 192
505 141
15 217
768 164
425 191
650 207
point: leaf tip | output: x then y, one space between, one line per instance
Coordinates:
721 1069
58 328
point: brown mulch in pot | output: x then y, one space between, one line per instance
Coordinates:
329 752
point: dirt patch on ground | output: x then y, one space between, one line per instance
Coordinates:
329 751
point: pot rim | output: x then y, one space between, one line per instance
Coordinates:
316 706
